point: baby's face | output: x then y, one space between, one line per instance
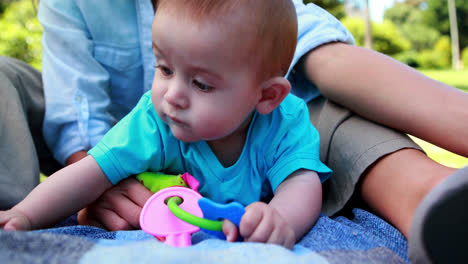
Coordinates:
201 88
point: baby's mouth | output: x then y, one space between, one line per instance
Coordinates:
174 120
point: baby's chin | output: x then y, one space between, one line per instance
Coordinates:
184 136
190 137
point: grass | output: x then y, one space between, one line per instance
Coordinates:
458 79
442 156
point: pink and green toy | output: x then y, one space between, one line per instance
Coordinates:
177 210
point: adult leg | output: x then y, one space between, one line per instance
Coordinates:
350 146
396 184
425 200
439 229
396 180
21 115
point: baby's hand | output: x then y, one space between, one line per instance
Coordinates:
262 223
14 220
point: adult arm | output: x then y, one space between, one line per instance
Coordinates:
391 93
374 85
75 84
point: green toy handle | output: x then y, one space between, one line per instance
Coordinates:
173 204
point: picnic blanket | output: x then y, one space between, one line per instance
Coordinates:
359 238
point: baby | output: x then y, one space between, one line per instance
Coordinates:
220 109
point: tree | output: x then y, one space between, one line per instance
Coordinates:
368 34
34 4
436 15
456 64
3 5
409 18
415 3
386 36
20 35
400 13
335 7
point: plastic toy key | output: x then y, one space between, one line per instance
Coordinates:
172 214
214 211
157 220
213 214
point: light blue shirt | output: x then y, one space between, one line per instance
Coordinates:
98 61
276 145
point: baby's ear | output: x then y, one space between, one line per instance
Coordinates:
273 92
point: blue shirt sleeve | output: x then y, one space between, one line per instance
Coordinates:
133 145
296 144
73 81
316 27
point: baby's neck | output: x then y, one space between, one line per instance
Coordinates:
229 148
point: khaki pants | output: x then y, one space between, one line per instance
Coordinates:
349 144
22 147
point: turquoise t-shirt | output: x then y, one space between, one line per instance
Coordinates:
277 144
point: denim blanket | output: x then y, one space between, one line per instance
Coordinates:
359 238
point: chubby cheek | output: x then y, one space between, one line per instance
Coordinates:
156 97
216 123
213 129
184 134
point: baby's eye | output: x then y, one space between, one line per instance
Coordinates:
164 70
202 87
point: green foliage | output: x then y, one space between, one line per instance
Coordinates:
439 57
399 13
410 19
415 3
3 5
442 156
443 47
425 24
465 57
388 39
335 7
409 57
455 78
420 36
21 33
436 16
356 27
429 59
386 36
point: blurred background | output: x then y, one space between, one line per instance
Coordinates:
429 35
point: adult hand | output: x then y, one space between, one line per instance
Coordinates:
262 223
118 208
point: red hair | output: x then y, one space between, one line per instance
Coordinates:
269 28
